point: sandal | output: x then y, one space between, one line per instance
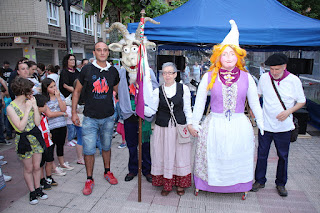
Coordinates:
180 192
80 162
164 192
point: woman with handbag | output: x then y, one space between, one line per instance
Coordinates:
225 148
170 151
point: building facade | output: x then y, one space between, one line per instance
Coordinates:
36 30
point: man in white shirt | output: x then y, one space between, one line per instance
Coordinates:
278 122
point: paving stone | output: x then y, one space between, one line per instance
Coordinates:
154 208
192 204
59 199
191 210
106 205
82 202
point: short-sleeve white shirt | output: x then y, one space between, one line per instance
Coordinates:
290 90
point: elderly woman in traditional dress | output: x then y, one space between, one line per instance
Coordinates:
225 148
171 160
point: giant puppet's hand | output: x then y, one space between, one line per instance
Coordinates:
253 100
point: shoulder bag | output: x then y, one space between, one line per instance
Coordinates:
183 134
295 132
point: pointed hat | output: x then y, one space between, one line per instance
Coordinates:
233 35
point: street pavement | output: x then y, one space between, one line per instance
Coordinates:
303 187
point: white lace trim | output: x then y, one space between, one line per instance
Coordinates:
229 95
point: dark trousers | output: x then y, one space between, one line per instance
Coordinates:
59 138
2 139
282 144
131 134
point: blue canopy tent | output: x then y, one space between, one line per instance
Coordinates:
262 22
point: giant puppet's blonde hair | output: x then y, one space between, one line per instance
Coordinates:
216 64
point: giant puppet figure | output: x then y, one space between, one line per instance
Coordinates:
129 48
225 148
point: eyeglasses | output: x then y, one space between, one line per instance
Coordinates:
168 73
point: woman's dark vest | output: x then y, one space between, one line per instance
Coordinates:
163 114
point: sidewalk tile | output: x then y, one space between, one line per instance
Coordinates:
83 202
155 208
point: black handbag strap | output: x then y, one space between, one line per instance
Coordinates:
170 108
275 89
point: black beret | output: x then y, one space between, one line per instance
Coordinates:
276 59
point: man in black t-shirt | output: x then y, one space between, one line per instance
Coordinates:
98 81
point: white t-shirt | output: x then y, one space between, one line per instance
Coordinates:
262 70
196 69
290 90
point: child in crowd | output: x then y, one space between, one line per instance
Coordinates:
119 120
7 100
76 131
56 117
47 156
71 133
120 130
24 117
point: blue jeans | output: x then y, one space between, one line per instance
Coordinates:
8 126
90 129
72 133
282 143
79 134
117 113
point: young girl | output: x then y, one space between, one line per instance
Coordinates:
24 116
56 117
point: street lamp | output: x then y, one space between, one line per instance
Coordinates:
66 6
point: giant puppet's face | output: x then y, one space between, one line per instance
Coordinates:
228 59
129 47
129 50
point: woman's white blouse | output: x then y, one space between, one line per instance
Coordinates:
170 92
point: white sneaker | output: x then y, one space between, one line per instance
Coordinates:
74 141
59 172
7 178
1 157
66 166
3 162
70 144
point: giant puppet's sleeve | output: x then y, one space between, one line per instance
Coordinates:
253 100
201 99
151 101
187 104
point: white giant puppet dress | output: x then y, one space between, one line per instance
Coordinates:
224 155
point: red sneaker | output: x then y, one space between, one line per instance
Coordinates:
110 178
87 190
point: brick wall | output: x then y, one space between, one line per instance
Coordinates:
23 16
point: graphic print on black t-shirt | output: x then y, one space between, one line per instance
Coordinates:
100 87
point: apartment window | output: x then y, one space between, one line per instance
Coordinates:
76 21
52 14
88 25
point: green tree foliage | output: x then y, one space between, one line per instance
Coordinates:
310 8
130 9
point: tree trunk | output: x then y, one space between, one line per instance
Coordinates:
113 16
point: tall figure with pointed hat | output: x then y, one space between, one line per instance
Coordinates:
225 146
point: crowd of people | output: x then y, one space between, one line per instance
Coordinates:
92 97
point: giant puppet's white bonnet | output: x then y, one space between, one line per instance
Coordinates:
233 35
